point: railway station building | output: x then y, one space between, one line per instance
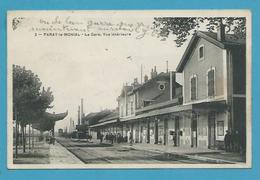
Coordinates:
211 100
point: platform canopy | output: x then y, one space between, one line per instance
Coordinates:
47 121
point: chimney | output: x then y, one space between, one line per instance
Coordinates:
155 72
78 115
82 111
172 84
167 67
221 32
141 74
145 78
152 74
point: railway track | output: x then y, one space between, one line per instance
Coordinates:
91 153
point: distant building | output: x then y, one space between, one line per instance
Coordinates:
72 126
107 124
142 118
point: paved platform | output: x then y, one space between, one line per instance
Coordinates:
202 154
44 153
173 149
60 155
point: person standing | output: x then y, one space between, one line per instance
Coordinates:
237 141
111 138
174 138
232 141
227 140
101 138
131 139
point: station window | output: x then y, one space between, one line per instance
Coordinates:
201 52
211 82
193 87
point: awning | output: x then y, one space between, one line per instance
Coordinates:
201 106
220 105
168 110
104 123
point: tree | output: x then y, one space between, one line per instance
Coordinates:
183 27
29 103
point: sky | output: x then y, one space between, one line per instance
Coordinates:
88 66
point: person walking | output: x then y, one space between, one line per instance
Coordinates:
227 140
232 141
131 138
111 137
101 138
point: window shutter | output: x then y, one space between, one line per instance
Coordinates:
193 88
211 83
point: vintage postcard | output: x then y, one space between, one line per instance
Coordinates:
129 89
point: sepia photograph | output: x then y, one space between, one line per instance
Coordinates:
129 89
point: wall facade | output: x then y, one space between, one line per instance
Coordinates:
213 58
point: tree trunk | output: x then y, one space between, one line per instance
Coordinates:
53 135
24 138
19 134
32 138
29 134
16 133
16 138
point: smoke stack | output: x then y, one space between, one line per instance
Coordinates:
167 67
78 115
141 74
221 32
155 72
82 111
172 84
145 78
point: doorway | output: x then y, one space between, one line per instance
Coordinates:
177 131
212 133
194 122
156 131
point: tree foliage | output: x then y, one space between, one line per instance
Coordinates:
183 27
47 125
29 101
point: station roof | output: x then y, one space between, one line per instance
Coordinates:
230 41
94 117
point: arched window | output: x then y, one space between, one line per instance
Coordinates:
211 82
193 87
201 52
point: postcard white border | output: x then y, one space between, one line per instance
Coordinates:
172 13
